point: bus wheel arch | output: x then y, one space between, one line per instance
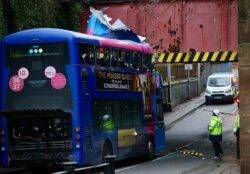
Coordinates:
107 149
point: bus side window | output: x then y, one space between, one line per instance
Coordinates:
135 108
129 113
121 61
114 58
103 115
86 54
148 62
116 104
101 56
136 60
127 59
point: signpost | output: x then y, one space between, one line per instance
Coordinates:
188 67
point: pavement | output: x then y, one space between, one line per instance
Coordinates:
182 110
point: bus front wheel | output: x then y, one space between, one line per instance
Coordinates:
107 150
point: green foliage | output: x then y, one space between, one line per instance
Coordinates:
2 28
45 13
244 9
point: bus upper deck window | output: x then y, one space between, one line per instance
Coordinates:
86 54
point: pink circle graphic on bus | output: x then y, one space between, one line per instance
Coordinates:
16 83
23 73
50 72
58 81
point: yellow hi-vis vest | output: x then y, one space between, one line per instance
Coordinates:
108 125
236 123
215 126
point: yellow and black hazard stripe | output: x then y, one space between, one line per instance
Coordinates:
195 57
188 152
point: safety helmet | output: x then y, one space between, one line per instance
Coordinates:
216 112
105 117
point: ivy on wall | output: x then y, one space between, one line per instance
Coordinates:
43 13
244 9
2 28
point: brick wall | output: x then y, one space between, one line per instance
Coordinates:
244 71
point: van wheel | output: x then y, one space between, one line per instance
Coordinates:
107 150
232 101
150 150
208 102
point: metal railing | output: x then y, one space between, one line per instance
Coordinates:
106 168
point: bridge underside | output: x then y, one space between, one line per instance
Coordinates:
196 57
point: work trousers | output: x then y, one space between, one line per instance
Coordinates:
217 149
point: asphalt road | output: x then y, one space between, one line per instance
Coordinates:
192 130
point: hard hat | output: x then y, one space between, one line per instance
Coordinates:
216 112
105 117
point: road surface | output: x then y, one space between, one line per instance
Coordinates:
192 131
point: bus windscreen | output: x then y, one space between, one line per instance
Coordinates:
38 78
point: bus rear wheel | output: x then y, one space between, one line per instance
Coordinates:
107 150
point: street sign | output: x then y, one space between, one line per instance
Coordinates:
188 66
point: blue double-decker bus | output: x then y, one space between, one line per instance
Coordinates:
68 96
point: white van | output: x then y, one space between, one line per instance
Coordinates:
220 87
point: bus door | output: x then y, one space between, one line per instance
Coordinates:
159 126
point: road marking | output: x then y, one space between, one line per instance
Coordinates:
190 152
185 146
223 113
130 167
163 156
235 109
127 168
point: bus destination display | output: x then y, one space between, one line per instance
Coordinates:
109 80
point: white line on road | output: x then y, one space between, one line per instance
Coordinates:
224 113
234 110
130 167
163 156
127 168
